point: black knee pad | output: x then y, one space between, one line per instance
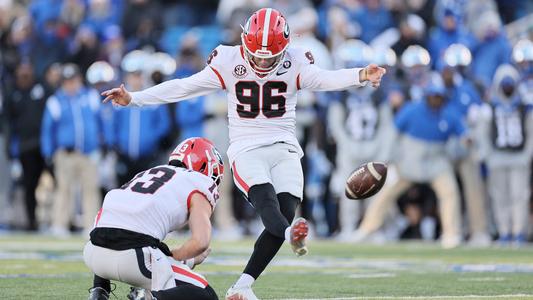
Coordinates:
288 204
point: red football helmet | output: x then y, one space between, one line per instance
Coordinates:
265 38
200 155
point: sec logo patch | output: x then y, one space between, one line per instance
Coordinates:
239 71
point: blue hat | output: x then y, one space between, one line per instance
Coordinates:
507 81
435 86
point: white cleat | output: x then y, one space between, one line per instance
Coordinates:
299 231
241 293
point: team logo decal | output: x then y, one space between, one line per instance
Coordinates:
239 71
286 64
286 31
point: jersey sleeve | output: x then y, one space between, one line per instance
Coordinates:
204 185
202 83
316 79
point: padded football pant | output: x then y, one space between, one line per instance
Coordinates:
134 267
276 212
446 190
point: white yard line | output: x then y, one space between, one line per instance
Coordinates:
520 296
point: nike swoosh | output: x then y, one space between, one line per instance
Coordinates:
281 73
292 151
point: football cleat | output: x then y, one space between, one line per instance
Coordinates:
299 231
98 293
241 293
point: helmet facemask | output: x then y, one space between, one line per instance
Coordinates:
250 58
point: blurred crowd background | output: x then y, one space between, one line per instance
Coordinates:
452 116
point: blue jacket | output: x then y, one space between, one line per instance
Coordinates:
72 122
462 96
139 129
190 117
418 120
440 39
373 22
487 56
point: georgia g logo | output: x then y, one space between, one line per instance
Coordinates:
286 31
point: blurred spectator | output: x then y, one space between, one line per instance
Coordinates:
424 128
141 23
523 58
507 140
360 122
52 79
415 62
492 49
412 32
72 13
373 19
27 98
4 163
464 99
102 14
449 31
138 129
71 136
101 76
85 48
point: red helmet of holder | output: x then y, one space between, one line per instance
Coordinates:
200 155
265 37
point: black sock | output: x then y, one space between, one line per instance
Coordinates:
186 292
102 283
267 245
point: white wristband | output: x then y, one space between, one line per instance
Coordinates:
189 262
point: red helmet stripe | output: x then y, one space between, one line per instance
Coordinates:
266 27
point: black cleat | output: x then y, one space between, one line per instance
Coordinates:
98 293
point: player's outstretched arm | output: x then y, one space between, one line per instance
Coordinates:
197 246
317 79
199 84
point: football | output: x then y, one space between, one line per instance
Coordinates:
366 180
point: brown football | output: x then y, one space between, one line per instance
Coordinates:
366 180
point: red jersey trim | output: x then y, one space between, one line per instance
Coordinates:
219 77
240 181
98 216
190 275
189 198
242 51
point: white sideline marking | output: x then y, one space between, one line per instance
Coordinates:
422 297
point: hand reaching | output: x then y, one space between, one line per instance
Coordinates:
374 73
119 96
200 258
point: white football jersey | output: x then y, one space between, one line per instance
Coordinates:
156 201
261 110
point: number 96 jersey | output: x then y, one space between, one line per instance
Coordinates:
262 110
156 201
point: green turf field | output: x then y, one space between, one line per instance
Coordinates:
39 267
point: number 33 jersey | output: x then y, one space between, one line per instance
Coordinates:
156 201
261 110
